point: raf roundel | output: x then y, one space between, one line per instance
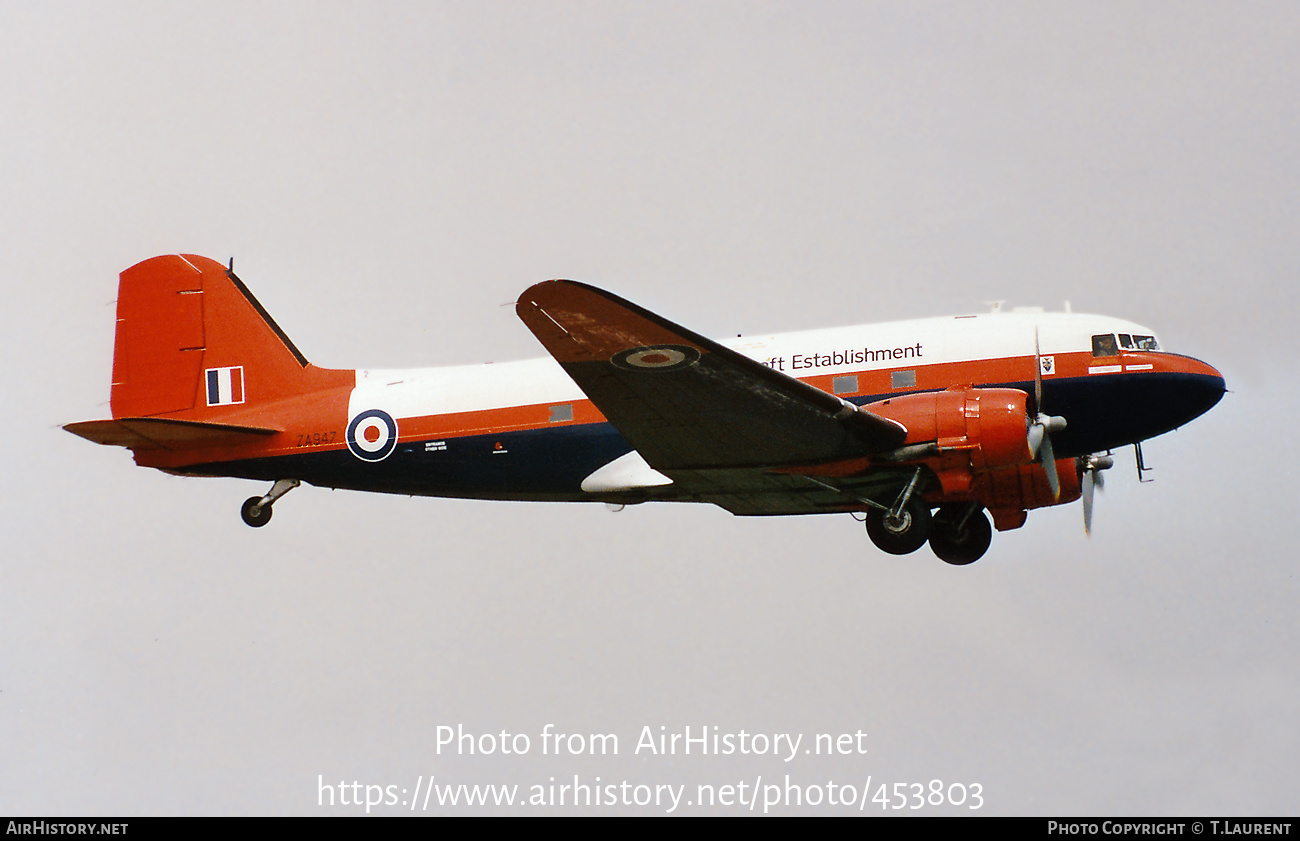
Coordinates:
372 435
656 358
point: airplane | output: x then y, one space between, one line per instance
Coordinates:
924 429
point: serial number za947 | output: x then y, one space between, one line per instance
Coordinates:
918 795
316 439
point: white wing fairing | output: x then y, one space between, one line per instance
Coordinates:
923 425
626 473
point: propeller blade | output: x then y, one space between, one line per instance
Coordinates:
1040 438
1035 436
1038 375
1089 483
1049 465
1093 481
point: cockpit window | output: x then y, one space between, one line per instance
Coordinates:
1103 344
1145 343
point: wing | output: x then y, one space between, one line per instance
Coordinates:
710 418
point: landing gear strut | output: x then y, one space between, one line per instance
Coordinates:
960 534
256 510
904 527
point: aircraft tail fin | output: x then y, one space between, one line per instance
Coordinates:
194 344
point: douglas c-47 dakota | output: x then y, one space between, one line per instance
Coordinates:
928 427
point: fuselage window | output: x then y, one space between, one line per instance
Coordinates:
1103 344
1126 341
902 379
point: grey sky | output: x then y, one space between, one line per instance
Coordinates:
390 176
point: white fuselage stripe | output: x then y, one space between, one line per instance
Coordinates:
406 393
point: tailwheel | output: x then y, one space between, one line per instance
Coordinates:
256 510
255 513
902 534
960 534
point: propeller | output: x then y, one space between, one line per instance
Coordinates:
1092 478
1042 425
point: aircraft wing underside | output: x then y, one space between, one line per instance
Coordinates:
699 412
753 492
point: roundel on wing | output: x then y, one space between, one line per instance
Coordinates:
656 358
372 435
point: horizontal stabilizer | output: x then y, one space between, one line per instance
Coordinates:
163 433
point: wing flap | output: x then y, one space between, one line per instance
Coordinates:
686 402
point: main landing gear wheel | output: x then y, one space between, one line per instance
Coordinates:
903 534
255 513
957 542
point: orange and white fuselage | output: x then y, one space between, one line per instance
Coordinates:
629 406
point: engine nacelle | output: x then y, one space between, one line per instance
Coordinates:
1010 491
980 450
989 427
